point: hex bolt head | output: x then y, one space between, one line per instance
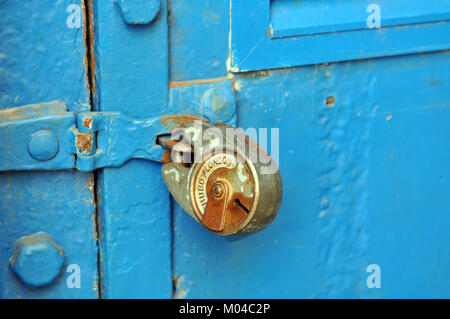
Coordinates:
37 260
43 146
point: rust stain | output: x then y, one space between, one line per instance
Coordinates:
238 205
14 114
179 120
86 67
87 122
174 84
85 36
216 207
84 142
94 216
88 35
218 103
91 182
257 75
330 101
166 143
167 157
91 187
228 209
170 16
96 287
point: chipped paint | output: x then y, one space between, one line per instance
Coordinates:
87 122
242 173
236 85
84 142
33 110
174 84
179 292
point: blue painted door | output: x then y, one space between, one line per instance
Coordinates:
42 58
358 90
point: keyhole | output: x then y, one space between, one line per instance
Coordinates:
237 202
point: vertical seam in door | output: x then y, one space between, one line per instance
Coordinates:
172 216
172 248
89 63
89 60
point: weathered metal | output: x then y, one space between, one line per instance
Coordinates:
215 212
222 188
53 138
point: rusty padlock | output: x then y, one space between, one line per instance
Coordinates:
222 178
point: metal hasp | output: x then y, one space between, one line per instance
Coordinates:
48 137
221 177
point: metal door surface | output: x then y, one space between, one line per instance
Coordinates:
353 96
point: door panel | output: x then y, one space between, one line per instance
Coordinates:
290 18
134 204
42 58
283 33
190 57
362 157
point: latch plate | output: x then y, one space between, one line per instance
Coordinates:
24 133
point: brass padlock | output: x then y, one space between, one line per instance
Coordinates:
222 178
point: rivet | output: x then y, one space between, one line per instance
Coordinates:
217 190
43 146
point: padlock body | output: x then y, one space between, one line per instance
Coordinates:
228 189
